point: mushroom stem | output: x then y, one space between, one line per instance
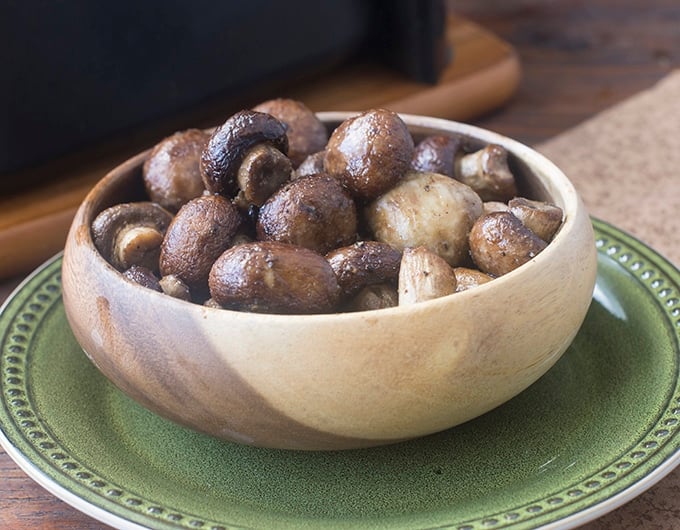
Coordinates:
139 245
263 170
486 171
423 276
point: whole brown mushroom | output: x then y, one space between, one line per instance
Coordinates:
229 143
314 212
542 218
364 263
171 174
369 153
202 229
143 276
499 243
131 233
306 133
437 154
273 277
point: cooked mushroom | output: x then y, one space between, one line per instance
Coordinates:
312 165
499 243
306 133
229 144
364 263
369 153
131 233
437 154
376 296
486 171
467 278
143 276
173 286
542 218
273 277
314 212
423 276
171 173
202 229
494 206
263 170
426 209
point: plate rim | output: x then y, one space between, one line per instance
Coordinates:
651 477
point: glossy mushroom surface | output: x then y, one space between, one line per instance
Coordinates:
335 381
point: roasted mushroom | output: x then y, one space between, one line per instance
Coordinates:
376 296
229 143
437 154
467 278
499 243
312 165
263 170
364 263
306 133
426 209
202 229
369 153
542 218
143 276
494 206
486 171
171 173
173 286
131 233
423 276
315 212
273 277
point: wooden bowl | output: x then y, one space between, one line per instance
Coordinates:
335 381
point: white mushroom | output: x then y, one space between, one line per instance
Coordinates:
426 209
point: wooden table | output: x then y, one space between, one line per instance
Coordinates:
578 58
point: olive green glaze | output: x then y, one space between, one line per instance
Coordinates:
590 432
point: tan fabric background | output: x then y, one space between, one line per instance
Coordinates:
625 163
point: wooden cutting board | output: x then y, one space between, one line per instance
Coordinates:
483 75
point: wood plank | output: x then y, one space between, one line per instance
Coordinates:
483 75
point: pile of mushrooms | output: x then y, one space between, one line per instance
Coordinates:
272 213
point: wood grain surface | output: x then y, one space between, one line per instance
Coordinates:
578 58
483 75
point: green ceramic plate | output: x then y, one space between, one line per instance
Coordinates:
595 431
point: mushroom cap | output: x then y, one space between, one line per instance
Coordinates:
172 174
437 154
306 133
114 222
273 277
315 212
499 243
426 209
202 229
229 143
542 218
364 263
143 276
370 152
